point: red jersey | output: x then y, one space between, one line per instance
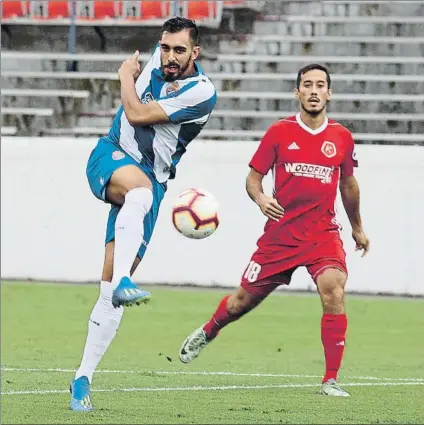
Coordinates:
306 166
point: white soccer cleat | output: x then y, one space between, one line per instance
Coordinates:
193 345
332 389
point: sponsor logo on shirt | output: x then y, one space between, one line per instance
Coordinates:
313 171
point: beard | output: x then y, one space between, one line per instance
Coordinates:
176 75
312 112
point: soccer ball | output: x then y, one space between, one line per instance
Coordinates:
195 213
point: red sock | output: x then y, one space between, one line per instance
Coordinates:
219 319
333 337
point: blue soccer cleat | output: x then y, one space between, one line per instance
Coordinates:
80 390
128 293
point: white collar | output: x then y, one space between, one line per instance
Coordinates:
318 130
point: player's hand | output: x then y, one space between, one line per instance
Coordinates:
362 241
270 207
130 66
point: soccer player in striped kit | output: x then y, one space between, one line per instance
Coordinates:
164 108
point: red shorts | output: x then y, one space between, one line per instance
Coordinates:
270 268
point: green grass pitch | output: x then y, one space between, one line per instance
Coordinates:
264 368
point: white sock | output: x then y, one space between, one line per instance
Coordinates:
102 327
129 231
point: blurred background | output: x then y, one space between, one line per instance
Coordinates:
60 60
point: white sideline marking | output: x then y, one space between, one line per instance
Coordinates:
220 388
171 372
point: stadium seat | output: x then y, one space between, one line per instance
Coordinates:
40 112
145 10
154 9
201 10
14 9
98 10
75 94
49 9
8 130
58 9
107 9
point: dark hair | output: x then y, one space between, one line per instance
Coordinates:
307 68
178 24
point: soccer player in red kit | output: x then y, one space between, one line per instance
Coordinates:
310 157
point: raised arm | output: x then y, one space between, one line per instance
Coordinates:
192 103
137 113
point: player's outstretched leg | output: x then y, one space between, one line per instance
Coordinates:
193 345
127 293
230 309
128 231
330 285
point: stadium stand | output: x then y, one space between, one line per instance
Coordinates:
374 52
39 112
76 94
8 131
232 58
49 10
13 9
217 77
249 135
110 12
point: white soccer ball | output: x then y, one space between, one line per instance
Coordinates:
195 213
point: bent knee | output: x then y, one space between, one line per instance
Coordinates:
123 180
241 303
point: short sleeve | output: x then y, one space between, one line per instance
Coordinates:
266 154
193 102
350 160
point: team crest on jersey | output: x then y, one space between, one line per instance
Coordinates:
117 155
329 149
172 88
148 97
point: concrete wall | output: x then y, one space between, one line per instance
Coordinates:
53 228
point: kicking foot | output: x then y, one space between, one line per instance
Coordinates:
80 391
193 345
128 293
332 389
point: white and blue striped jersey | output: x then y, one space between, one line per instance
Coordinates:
188 102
